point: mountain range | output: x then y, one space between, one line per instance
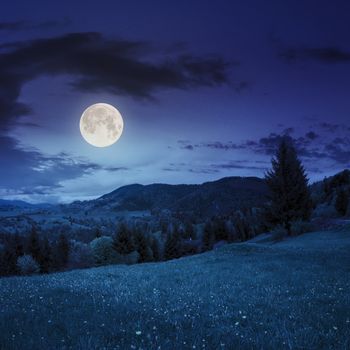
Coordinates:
210 198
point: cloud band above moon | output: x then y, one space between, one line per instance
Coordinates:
99 64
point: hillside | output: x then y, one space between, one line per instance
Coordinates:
135 201
293 294
207 199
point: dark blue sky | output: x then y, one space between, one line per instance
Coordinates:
206 89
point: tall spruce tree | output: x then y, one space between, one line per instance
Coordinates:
290 198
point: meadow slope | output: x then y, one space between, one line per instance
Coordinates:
289 295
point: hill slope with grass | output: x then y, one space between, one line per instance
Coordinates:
286 295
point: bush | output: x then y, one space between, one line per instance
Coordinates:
279 233
325 211
299 227
243 228
129 259
103 251
80 255
27 265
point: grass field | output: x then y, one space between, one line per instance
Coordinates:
290 295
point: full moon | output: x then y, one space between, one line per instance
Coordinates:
101 125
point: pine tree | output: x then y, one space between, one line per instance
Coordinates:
61 252
208 238
155 249
123 240
189 232
143 247
342 202
34 245
46 256
8 261
288 183
19 249
172 246
220 230
98 233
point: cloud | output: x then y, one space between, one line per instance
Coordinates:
32 172
243 86
312 147
330 127
98 64
328 55
238 165
184 144
28 25
340 152
311 135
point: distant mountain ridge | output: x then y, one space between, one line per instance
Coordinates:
209 198
22 204
203 200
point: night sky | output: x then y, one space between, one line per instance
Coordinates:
206 90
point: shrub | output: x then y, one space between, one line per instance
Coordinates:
103 251
325 211
299 227
27 265
80 255
279 233
129 259
243 227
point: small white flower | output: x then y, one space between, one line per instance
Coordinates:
138 332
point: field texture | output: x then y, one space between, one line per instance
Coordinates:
290 295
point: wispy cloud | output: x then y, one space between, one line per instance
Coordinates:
327 55
313 145
32 25
31 171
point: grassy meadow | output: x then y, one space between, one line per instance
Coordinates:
289 295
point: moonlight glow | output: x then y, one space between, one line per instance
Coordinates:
101 125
